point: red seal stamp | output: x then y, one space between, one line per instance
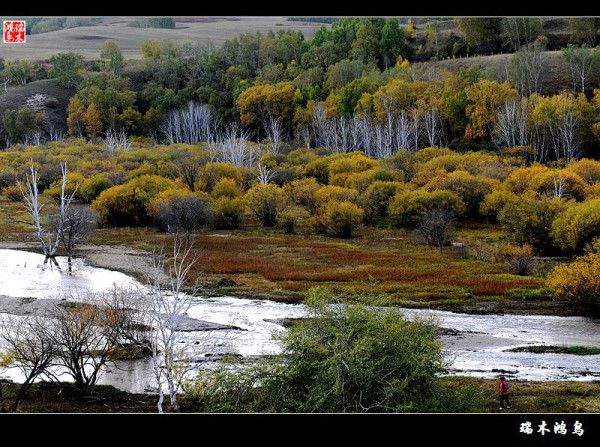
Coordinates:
13 31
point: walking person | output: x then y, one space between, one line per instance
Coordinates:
504 393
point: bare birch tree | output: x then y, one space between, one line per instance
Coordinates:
581 61
49 241
191 124
77 226
274 133
168 304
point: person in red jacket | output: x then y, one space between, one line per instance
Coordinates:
504 393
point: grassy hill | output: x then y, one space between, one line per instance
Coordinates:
556 76
87 40
53 104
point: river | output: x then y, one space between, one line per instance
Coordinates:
476 345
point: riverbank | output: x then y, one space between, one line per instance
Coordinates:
527 397
385 266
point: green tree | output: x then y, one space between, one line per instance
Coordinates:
19 72
366 46
481 33
112 57
393 43
19 123
585 30
67 68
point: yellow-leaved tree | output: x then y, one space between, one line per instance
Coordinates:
485 97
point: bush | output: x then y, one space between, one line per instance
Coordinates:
21 122
436 228
545 181
579 281
469 188
187 213
93 186
340 218
211 173
226 187
346 358
127 204
227 213
338 193
13 193
587 169
291 218
495 201
303 193
352 358
577 226
520 260
408 208
74 180
376 199
527 218
265 201
120 206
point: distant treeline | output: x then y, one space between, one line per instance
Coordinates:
328 20
154 22
39 25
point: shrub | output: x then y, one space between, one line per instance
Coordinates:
187 213
469 188
93 186
402 161
226 187
227 213
545 181
527 218
120 206
577 226
211 173
303 193
579 281
408 208
291 218
376 199
165 196
74 180
429 153
13 193
495 201
341 218
436 228
21 122
265 201
352 358
353 162
587 169
7 178
338 193
349 358
319 169
521 259
127 204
